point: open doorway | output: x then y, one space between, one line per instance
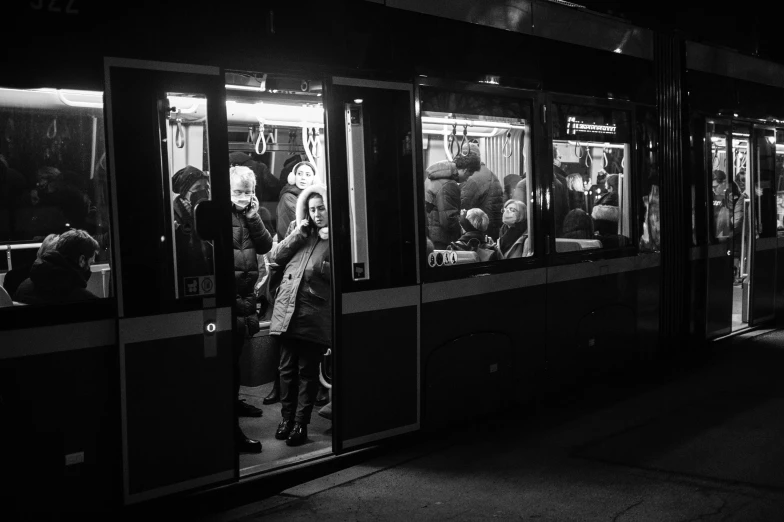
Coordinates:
276 128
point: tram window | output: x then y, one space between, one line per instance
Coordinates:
54 210
764 182
479 199
647 141
276 128
780 182
591 177
725 167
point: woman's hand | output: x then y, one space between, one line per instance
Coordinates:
303 227
253 206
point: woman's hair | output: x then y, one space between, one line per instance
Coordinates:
243 173
48 244
312 195
522 215
720 176
291 179
571 178
612 181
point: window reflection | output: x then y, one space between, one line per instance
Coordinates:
477 201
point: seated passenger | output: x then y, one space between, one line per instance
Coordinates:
302 176
474 224
576 191
606 213
514 231
596 191
15 276
578 225
62 275
442 204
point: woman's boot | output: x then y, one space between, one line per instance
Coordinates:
274 395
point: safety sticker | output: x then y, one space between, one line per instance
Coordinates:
202 285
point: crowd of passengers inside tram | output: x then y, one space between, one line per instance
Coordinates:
469 210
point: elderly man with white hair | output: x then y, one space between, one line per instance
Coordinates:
250 237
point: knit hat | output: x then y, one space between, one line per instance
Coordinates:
239 158
184 179
467 226
720 176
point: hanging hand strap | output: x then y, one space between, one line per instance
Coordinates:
51 132
179 138
507 145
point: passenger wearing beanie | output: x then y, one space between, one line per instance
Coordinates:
480 188
194 256
442 204
302 175
578 225
514 231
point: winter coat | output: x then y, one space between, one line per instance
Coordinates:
483 190
442 204
54 279
303 303
560 198
287 208
511 241
250 238
478 242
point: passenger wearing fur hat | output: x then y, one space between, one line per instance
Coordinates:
302 175
514 231
194 256
302 316
480 188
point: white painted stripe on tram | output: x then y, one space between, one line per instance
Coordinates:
181 486
766 243
384 299
558 274
57 338
374 84
350 443
140 329
481 285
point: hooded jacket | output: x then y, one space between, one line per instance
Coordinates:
442 204
250 237
53 280
303 303
483 190
287 208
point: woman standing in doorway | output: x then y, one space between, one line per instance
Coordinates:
302 317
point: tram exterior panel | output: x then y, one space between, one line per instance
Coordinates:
418 345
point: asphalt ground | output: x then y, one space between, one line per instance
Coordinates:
704 442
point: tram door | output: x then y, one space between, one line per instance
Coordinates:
761 224
168 163
721 264
372 196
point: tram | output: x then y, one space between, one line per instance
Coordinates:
645 172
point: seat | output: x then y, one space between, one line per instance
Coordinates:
5 299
